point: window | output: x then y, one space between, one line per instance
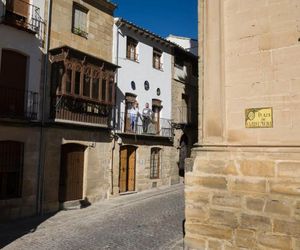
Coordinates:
132 49
11 163
154 163
133 86
158 91
157 64
79 26
146 85
95 88
104 82
111 90
68 81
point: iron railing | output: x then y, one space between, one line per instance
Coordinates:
18 104
72 109
139 126
25 16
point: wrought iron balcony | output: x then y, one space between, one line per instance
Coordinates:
139 126
76 110
18 104
24 16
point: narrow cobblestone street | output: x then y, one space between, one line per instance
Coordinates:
146 220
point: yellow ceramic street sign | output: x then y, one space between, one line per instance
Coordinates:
259 118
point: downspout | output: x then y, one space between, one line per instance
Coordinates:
40 174
114 121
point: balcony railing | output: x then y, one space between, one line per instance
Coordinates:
18 104
25 16
75 110
161 127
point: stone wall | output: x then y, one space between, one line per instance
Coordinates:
25 205
97 164
243 189
168 163
99 28
246 199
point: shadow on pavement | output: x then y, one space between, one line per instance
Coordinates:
12 230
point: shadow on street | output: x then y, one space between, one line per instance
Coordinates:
12 230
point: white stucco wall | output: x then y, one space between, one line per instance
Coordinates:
27 44
142 70
189 44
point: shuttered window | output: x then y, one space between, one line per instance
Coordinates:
11 166
80 20
132 49
154 163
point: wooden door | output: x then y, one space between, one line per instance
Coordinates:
71 175
127 169
131 169
12 82
123 170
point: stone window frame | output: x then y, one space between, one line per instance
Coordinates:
78 29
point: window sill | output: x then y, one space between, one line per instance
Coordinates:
81 34
160 69
132 60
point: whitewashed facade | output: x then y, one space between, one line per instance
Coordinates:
141 70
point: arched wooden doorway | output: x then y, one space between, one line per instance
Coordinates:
127 169
71 172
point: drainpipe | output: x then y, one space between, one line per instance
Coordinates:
114 121
40 172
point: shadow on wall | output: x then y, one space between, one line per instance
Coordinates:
10 231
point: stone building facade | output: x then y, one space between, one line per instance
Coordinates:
21 46
184 97
243 190
77 145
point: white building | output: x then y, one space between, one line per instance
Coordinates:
146 70
189 44
21 59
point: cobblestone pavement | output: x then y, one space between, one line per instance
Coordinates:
146 220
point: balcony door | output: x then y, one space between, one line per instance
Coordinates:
71 172
127 169
12 83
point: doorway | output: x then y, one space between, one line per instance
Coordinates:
127 169
71 172
12 83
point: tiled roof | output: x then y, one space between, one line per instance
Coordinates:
151 35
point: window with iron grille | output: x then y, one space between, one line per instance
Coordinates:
154 163
132 49
11 167
79 24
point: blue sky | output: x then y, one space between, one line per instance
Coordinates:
162 17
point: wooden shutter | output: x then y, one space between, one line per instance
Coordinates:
19 7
